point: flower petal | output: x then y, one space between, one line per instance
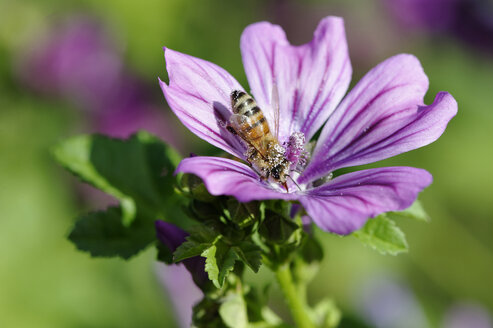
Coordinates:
223 176
381 117
311 79
344 204
199 94
172 237
182 293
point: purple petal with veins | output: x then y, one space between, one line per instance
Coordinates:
199 94
223 176
381 117
311 79
343 204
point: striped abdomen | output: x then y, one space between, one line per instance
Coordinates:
250 123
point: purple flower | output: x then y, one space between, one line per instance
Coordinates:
467 315
470 21
432 14
178 282
385 302
182 293
80 62
172 237
382 116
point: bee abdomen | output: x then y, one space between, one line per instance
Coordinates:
254 125
248 110
243 104
257 123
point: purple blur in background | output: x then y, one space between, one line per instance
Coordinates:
78 60
81 62
467 315
385 302
470 21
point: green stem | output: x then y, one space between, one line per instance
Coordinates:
296 302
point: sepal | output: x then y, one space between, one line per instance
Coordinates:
414 212
382 235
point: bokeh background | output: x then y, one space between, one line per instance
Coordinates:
70 67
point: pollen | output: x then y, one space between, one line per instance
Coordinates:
277 155
296 153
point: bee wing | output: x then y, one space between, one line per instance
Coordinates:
238 122
275 107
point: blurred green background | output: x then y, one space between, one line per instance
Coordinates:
46 282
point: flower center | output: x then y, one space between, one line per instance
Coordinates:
291 160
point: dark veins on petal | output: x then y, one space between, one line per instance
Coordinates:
312 118
368 150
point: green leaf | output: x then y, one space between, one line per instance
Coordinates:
242 214
250 254
311 250
137 171
233 311
276 228
202 233
164 253
188 249
201 237
220 260
278 206
211 266
415 212
103 234
193 185
383 235
205 313
202 211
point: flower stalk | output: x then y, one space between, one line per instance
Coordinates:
296 301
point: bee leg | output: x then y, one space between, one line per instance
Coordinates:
263 175
285 185
250 155
254 170
266 175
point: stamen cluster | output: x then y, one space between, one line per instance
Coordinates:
296 153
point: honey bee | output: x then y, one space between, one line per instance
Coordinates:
264 151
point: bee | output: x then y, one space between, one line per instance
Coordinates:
263 149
